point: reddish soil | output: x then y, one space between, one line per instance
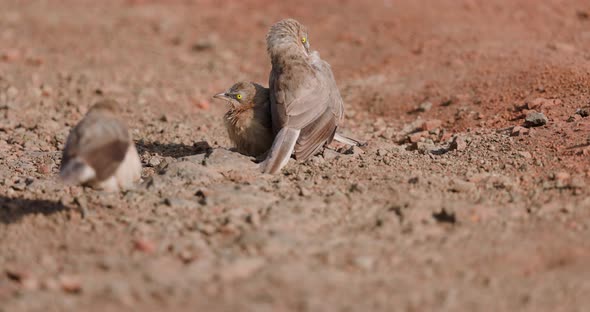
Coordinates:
453 207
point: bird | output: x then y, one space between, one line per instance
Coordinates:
248 121
99 151
306 105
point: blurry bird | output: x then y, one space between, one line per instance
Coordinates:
248 121
305 103
99 151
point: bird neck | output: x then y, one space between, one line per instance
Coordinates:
286 51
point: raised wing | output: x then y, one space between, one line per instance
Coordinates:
305 97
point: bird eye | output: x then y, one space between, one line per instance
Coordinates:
303 40
239 96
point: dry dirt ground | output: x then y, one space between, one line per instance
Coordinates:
452 205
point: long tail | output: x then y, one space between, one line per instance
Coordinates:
348 141
281 150
76 171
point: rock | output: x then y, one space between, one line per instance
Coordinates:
561 176
458 143
330 154
425 147
584 111
305 192
354 150
241 269
11 55
430 125
12 92
19 185
204 105
144 245
460 186
358 188
31 284
417 136
70 284
17 275
154 161
561 46
46 90
425 106
50 284
518 131
388 133
382 152
577 182
204 44
525 154
44 168
535 119
225 159
364 262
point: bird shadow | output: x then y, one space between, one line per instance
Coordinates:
174 150
13 209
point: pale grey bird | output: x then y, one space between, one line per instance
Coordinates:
248 121
99 151
306 105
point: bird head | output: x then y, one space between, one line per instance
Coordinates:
285 34
241 93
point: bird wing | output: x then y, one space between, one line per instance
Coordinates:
298 96
101 142
336 102
305 97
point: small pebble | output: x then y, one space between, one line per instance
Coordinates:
425 106
458 143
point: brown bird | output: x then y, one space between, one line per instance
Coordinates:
99 151
248 121
305 103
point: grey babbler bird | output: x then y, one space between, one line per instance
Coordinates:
306 105
248 121
99 151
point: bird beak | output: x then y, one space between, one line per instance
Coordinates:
221 96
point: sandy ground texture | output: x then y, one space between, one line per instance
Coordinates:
471 195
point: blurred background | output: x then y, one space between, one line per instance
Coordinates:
416 77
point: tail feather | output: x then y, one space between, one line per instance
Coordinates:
281 150
76 171
348 141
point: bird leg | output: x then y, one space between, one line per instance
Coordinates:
281 150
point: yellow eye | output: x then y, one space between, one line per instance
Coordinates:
303 40
239 96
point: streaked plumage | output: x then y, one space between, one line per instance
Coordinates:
248 121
